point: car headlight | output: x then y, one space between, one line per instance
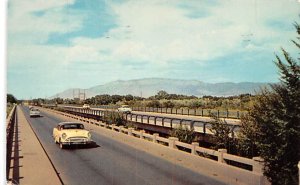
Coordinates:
89 135
64 135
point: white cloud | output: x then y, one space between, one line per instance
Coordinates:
153 33
26 26
160 32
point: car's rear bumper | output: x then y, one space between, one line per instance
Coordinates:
34 115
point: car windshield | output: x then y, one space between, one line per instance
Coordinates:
73 126
125 106
34 109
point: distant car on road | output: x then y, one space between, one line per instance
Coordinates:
86 106
125 109
71 133
34 112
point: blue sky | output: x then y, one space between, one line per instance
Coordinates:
55 45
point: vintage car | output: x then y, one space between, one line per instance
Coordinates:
71 133
124 108
86 106
34 112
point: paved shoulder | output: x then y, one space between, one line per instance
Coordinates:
35 167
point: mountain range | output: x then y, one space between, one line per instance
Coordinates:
150 86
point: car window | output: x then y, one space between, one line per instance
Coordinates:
125 106
73 126
34 109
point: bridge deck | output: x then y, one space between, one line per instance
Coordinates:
29 163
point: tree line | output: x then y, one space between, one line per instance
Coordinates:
161 100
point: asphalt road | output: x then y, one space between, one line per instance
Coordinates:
109 161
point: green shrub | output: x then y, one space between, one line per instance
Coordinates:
221 134
184 134
114 118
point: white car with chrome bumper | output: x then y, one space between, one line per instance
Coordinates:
34 112
125 109
86 106
71 133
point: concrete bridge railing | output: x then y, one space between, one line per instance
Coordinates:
10 125
167 122
186 111
9 120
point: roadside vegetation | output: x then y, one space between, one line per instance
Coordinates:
10 100
271 129
114 118
184 134
222 135
162 100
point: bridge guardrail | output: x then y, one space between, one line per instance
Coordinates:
186 111
221 155
203 127
193 112
234 114
10 121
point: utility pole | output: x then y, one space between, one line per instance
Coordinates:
81 95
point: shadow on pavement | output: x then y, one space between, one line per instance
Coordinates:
89 146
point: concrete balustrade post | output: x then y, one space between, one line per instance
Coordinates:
220 155
142 133
172 142
121 128
130 131
193 151
155 135
258 164
113 126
